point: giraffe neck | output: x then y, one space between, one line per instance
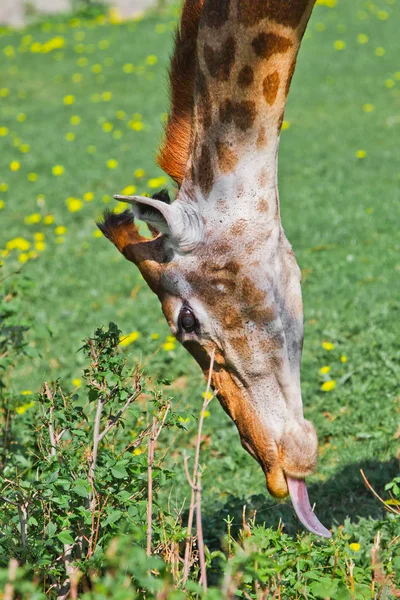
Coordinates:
246 54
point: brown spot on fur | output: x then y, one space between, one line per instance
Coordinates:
262 206
286 12
242 114
251 246
245 77
280 121
271 87
239 227
290 76
203 101
215 14
263 178
173 154
220 62
204 171
262 138
266 45
227 158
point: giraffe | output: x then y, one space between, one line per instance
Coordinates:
218 259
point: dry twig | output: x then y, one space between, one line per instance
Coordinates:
195 499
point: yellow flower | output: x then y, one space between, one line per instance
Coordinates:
74 204
60 230
77 77
125 340
361 154
91 149
120 114
70 136
69 99
38 237
21 117
97 69
209 395
20 410
324 370
380 51
368 108
112 163
106 96
88 196
339 45
4 92
168 346
23 257
206 414
383 15
3 187
136 125
170 338
15 165
77 382
3 131
2 204
26 392
155 336
57 170
328 386
389 83
40 246
343 358
107 126
328 346
129 190
151 59
103 44
33 218
24 148
97 234
128 68
18 243
156 182
117 135
82 61
182 420
285 125
355 547
48 220
139 173
137 451
32 177
362 38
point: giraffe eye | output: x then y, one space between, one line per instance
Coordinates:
187 320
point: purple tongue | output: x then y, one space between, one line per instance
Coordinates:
301 504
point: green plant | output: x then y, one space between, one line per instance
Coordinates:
82 480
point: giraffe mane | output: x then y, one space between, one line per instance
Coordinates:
173 154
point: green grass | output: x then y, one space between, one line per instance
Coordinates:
340 212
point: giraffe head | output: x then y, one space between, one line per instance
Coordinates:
219 260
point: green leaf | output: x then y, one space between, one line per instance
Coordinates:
324 588
81 487
119 471
65 537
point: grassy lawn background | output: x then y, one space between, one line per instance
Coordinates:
339 187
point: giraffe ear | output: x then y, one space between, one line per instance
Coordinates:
179 221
